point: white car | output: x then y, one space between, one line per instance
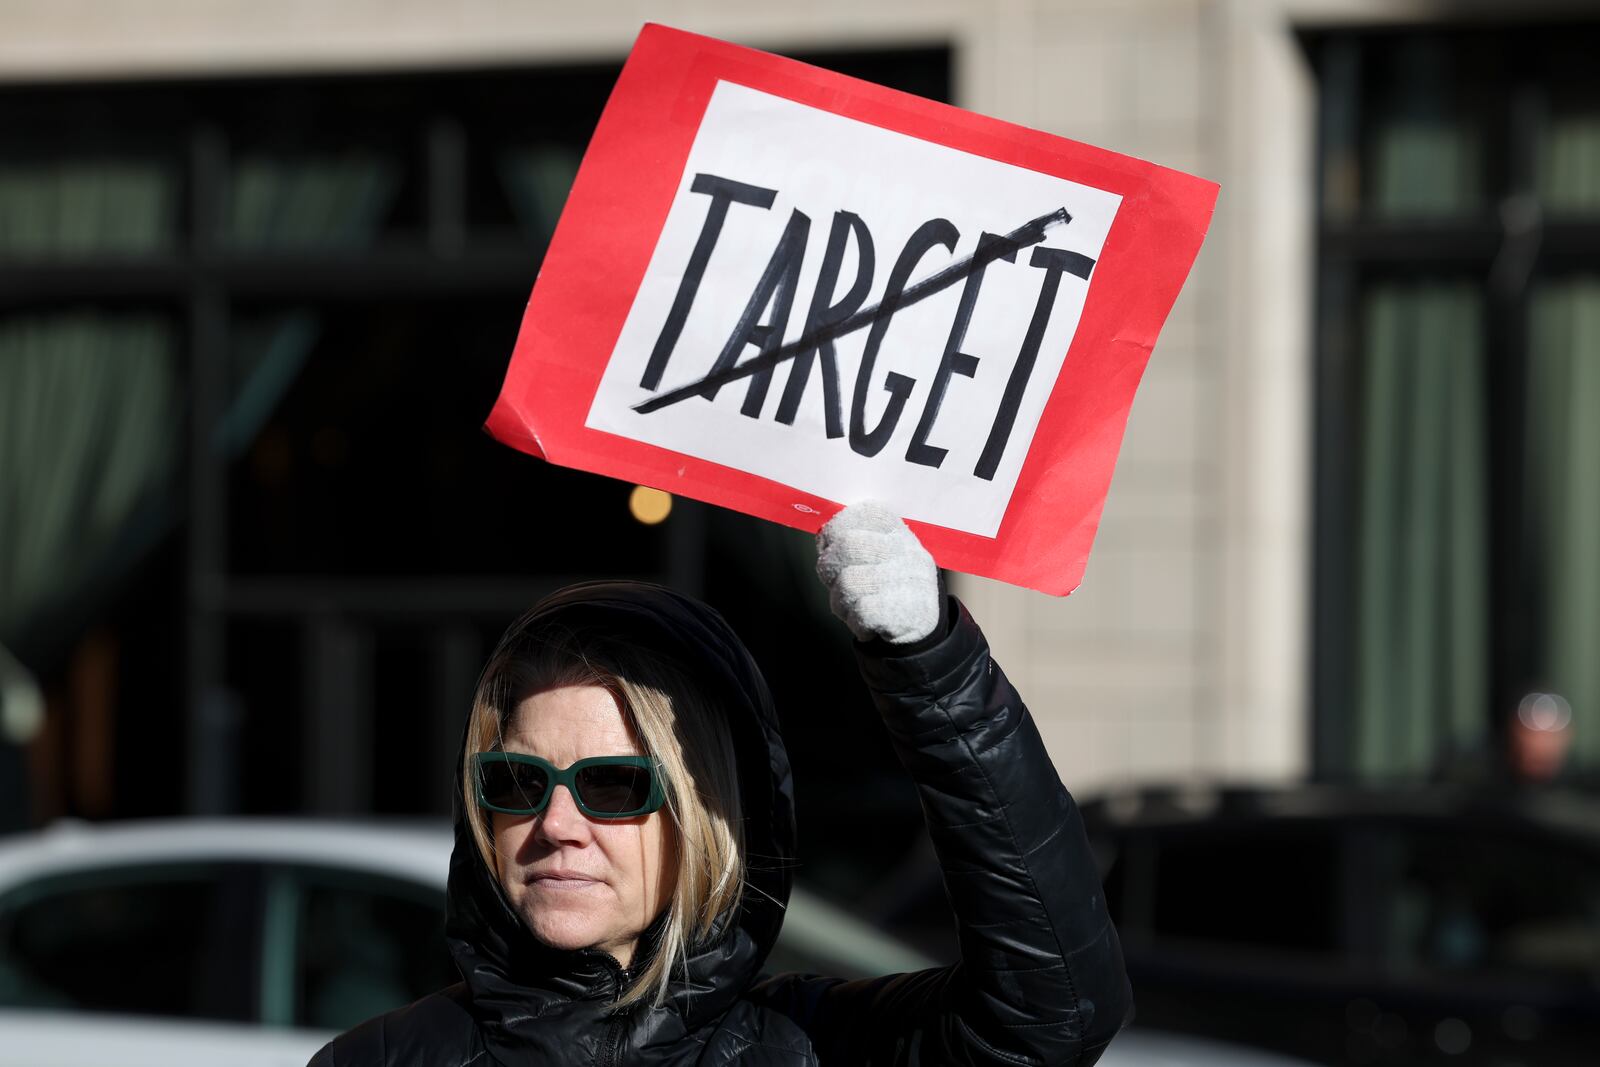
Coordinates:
251 943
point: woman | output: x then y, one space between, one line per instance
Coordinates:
626 842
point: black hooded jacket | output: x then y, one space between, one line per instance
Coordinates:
1040 979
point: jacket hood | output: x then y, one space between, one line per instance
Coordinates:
512 979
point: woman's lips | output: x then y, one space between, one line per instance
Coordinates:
562 882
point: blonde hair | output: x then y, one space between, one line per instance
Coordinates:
675 724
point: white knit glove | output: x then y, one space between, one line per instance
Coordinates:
881 581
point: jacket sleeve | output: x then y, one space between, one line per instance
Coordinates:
1040 978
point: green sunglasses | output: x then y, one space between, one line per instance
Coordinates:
603 787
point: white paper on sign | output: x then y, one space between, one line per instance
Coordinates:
926 435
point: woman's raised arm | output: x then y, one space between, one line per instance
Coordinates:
1040 978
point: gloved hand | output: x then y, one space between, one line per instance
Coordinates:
881 581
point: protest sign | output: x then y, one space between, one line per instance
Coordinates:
782 290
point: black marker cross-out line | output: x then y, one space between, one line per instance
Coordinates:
1024 236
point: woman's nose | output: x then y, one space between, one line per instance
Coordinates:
561 819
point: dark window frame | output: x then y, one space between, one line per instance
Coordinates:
1353 249
191 748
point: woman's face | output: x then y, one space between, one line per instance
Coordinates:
579 882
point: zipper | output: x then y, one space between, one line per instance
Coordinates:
611 1047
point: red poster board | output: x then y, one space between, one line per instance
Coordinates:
782 290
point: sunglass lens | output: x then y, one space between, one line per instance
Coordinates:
518 786
614 788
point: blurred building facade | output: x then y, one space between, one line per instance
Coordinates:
1356 504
